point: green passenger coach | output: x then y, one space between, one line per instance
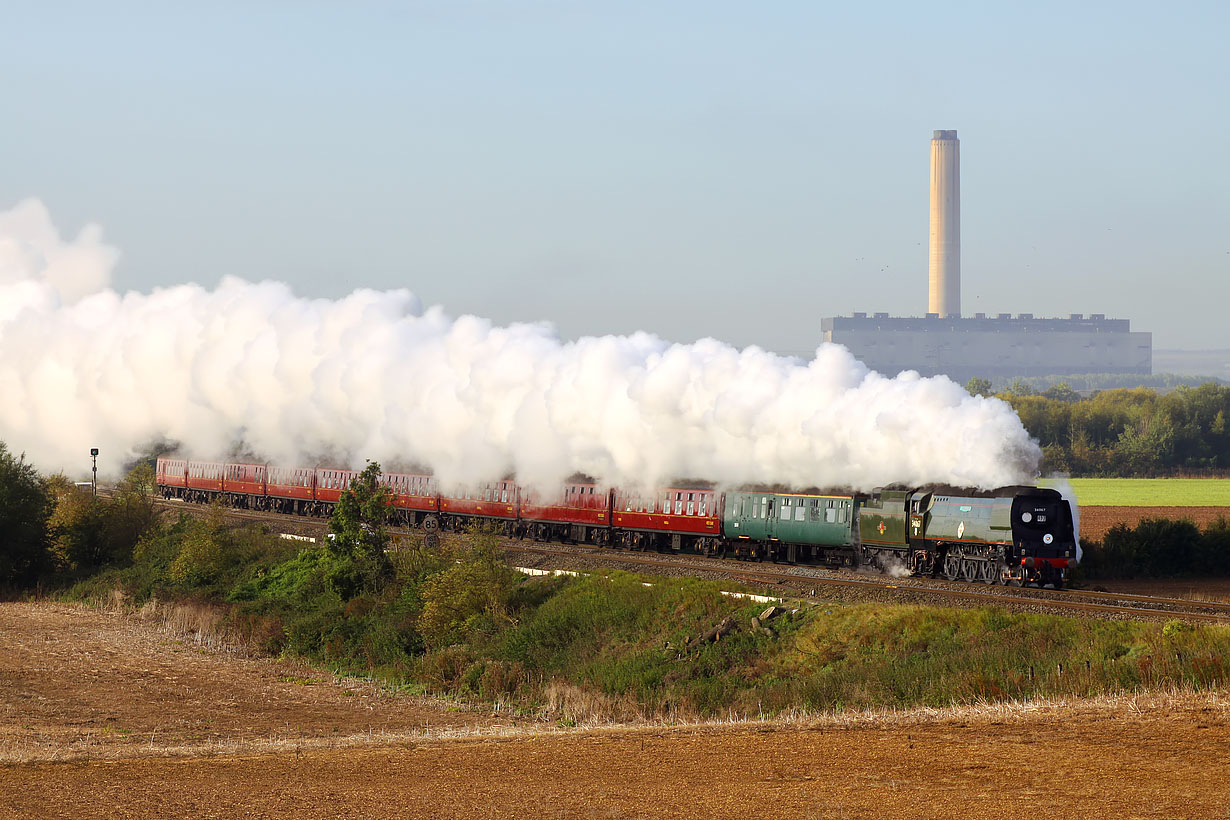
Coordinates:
790 526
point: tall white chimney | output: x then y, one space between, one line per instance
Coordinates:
944 267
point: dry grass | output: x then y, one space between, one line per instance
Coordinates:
567 708
1214 705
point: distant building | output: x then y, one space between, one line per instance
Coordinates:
1002 347
993 347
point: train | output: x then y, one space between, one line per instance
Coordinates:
1013 535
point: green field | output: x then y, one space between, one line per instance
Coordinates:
1149 492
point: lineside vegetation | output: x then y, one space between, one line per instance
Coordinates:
456 621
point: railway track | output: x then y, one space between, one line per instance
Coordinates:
803 581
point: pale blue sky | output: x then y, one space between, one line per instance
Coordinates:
729 169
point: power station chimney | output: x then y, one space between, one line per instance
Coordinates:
944 267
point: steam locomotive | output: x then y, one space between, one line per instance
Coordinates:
1014 535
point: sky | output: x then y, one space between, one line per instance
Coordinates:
691 169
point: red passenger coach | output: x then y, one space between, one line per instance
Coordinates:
579 512
290 489
171 476
204 480
414 496
245 483
330 483
498 501
675 518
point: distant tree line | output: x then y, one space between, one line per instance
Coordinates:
1089 382
1125 432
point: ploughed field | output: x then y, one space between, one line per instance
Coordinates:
117 715
1096 521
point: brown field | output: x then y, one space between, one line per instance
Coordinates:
1095 521
109 714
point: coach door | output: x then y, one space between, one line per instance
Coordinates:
773 510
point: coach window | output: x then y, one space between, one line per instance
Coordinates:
691 505
800 513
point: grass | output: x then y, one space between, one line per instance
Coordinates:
457 623
1149 492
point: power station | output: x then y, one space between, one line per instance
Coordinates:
1003 346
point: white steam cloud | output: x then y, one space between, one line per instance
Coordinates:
1065 488
374 376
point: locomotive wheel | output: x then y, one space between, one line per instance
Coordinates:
986 572
952 567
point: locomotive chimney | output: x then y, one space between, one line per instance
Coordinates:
944 266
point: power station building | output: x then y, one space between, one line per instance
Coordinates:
999 347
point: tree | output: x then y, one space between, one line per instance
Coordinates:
1062 392
359 537
979 387
25 507
470 597
76 525
205 551
1020 388
88 531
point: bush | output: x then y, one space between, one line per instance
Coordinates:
1158 548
